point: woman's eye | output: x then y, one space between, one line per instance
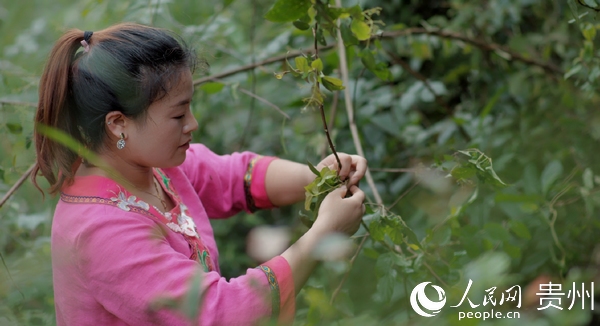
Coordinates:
180 117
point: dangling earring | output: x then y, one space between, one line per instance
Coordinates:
121 142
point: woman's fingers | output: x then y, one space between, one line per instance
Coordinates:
357 194
360 167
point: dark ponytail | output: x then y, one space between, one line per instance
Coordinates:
126 68
53 111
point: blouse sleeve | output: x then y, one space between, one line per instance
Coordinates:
128 267
227 184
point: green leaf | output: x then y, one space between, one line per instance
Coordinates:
301 25
313 169
213 87
490 105
382 72
287 10
389 260
520 229
588 179
332 84
589 31
441 236
305 219
394 230
361 30
355 11
14 128
461 173
551 173
573 7
190 306
376 227
302 64
64 139
28 141
321 37
348 36
496 232
575 69
317 64
367 59
512 251
335 13
385 287
412 237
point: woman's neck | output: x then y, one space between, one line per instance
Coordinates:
127 174
138 180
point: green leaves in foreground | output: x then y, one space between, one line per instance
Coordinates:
287 10
326 181
391 225
474 163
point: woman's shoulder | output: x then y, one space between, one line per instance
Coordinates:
92 200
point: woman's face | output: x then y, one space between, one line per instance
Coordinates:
163 138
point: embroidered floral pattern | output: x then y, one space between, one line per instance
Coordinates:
178 219
123 202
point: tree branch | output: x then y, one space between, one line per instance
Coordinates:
394 170
261 99
2 102
17 185
503 51
438 99
339 287
321 106
350 110
422 78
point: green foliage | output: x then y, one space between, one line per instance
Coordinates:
325 182
449 216
286 10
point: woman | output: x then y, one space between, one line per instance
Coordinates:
135 231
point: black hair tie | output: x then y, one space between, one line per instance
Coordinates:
86 40
87 35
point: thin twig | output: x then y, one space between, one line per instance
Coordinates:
18 184
435 275
331 123
253 77
502 51
404 194
18 103
261 99
422 78
350 111
10 276
438 99
505 52
339 287
394 170
264 100
321 107
582 3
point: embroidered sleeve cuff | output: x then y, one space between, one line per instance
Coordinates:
254 183
281 282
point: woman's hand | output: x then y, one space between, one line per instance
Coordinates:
340 214
353 167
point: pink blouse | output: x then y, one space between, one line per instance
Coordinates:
115 258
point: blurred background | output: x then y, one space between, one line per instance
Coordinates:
515 79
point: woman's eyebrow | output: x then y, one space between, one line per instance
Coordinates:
183 102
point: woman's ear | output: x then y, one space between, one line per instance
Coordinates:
116 123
